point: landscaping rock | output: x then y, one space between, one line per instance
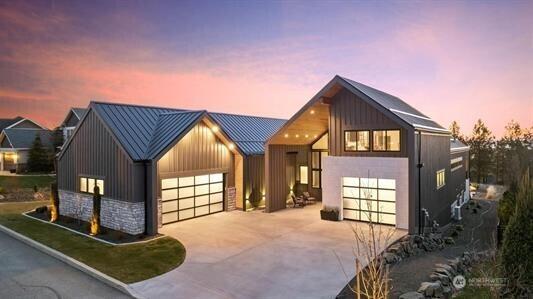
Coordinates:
412 295
449 240
431 289
390 258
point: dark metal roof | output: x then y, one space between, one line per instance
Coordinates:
458 146
169 127
79 112
132 125
248 132
398 107
6 122
23 138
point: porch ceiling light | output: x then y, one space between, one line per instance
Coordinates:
286 135
297 135
315 136
306 136
312 111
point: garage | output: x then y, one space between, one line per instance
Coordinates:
191 196
367 199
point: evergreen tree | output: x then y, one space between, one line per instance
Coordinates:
456 131
481 150
57 139
38 156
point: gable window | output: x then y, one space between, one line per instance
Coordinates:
386 140
316 168
87 185
456 163
303 175
356 141
441 179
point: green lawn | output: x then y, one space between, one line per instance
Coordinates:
15 182
128 263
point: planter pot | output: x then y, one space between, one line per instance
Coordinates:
329 215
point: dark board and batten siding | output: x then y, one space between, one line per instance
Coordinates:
254 178
199 151
348 112
277 187
94 152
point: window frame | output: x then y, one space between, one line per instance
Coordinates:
306 174
319 169
438 173
386 144
357 141
95 183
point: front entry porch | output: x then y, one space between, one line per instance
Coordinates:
287 254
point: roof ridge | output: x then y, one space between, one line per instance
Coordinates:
244 115
133 105
180 112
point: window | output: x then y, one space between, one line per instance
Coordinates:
87 185
316 168
357 141
441 180
303 175
386 140
456 163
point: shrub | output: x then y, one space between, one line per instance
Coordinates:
459 228
35 189
474 211
41 209
517 260
506 207
454 234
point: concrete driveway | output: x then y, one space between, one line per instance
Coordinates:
286 254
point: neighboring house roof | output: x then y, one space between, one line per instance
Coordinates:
23 138
6 122
397 106
79 112
145 131
458 146
248 132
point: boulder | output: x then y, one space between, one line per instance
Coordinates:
390 258
412 295
431 289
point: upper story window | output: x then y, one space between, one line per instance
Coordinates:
87 185
386 140
441 179
456 163
357 141
303 175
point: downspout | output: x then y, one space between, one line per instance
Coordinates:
419 165
145 197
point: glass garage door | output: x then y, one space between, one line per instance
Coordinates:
188 197
369 198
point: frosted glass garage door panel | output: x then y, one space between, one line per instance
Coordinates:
169 183
388 195
186 181
349 203
186 214
369 205
201 200
350 192
350 214
218 197
387 207
352 182
365 216
169 194
201 179
201 210
186 203
186 192
216 177
217 207
171 217
217 187
368 193
387 219
169 206
386 184
370 183
200 190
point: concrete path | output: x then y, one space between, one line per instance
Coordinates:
287 254
28 273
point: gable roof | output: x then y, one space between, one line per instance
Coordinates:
6 122
458 146
79 112
398 107
249 133
23 138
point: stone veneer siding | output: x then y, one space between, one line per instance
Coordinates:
115 214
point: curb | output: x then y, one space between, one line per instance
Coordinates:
108 280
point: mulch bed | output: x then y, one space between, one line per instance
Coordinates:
107 234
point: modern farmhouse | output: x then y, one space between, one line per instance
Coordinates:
353 147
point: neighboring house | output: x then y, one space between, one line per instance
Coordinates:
73 117
16 138
351 146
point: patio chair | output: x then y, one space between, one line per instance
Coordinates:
308 198
297 201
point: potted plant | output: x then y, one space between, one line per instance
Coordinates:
331 214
